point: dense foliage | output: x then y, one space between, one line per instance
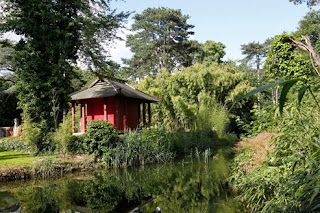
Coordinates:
101 137
150 145
200 108
199 97
8 108
288 181
54 34
63 135
284 61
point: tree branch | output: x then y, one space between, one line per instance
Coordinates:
307 47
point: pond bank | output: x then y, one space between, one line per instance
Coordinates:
48 166
188 185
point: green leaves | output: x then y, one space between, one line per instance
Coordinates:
283 96
261 89
198 97
55 34
284 61
301 93
288 180
286 86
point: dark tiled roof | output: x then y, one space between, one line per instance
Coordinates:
108 88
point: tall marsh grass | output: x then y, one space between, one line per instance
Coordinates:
151 145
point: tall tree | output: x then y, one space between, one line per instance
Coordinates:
54 34
210 52
160 40
6 54
255 52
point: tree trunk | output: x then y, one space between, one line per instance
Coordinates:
259 95
275 93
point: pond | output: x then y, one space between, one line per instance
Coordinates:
192 184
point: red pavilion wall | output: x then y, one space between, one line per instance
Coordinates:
95 109
122 112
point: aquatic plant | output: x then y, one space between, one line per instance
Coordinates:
150 145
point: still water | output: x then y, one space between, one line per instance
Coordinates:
192 184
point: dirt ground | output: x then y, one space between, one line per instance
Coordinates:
259 147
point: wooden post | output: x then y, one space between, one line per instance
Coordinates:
73 112
125 114
144 113
139 114
149 112
83 117
105 112
117 123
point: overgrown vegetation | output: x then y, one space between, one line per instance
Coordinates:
287 177
288 180
150 145
200 108
199 97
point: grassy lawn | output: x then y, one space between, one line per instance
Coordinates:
12 158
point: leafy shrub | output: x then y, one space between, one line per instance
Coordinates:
76 144
63 135
31 135
12 144
101 137
37 137
48 144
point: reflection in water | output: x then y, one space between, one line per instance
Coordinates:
186 186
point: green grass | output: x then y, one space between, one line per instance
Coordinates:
12 158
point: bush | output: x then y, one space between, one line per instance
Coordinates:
76 144
63 135
37 137
212 117
31 135
101 137
12 144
